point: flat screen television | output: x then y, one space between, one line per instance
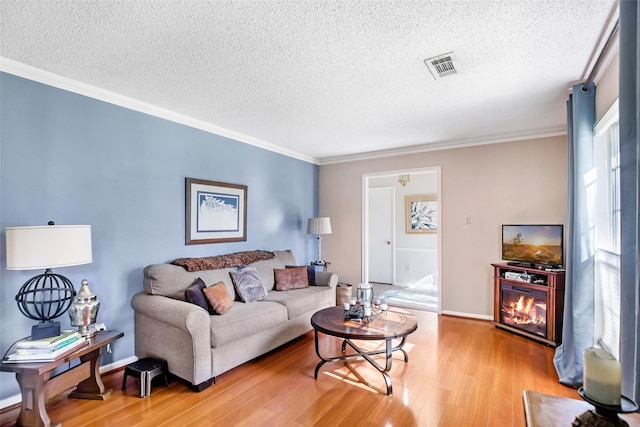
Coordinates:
533 245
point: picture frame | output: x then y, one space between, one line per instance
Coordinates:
422 214
215 212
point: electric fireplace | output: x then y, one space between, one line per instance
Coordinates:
523 308
529 302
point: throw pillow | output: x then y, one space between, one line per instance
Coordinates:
194 294
291 278
248 284
311 272
219 299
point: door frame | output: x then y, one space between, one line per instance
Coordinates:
366 177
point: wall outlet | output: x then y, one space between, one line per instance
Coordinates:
407 268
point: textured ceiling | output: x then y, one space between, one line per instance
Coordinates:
325 79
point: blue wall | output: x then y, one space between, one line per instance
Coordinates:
76 160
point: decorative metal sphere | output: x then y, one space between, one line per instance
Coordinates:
45 297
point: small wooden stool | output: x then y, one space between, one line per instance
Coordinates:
145 370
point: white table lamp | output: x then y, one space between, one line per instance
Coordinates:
319 226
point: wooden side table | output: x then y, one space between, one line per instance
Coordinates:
37 385
544 410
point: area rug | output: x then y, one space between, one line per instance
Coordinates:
408 298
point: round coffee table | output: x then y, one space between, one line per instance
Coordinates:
397 324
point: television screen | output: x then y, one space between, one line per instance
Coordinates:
533 244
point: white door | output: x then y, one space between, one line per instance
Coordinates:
380 237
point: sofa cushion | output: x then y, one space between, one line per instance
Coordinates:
218 297
248 284
244 320
167 280
265 268
291 278
194 294
300 301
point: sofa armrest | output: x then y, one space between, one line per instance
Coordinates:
180 314
176 331
325 278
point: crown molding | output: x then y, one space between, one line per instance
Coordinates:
445 145
51 79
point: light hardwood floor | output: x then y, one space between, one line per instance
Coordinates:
461 372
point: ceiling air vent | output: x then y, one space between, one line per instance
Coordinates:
441 66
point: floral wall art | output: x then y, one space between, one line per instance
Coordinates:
421 214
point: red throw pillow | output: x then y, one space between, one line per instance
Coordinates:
311 272
291 278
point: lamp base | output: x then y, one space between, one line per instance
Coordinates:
45 330
87 331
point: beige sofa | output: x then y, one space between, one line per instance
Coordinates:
198 346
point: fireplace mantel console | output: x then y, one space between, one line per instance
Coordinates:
529 302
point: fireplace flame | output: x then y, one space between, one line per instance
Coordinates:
524 311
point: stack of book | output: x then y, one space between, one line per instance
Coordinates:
46 349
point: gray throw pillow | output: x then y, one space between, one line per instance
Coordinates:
248 284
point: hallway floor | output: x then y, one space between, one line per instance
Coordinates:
420 297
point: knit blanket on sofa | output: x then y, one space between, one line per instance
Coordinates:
223 261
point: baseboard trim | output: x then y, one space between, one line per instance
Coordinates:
9 403
117 364
467 315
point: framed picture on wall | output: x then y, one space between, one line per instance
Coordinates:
422 214
216 212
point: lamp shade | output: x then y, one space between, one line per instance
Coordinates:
48 246
319 226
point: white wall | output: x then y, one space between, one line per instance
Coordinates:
513 182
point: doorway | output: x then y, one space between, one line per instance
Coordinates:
381 235
394 254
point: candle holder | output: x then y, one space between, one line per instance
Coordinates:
380 308
364 312
605 415
355 312
364 294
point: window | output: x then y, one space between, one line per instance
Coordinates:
607 231
613 147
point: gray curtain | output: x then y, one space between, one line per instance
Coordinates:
629 101
577 326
